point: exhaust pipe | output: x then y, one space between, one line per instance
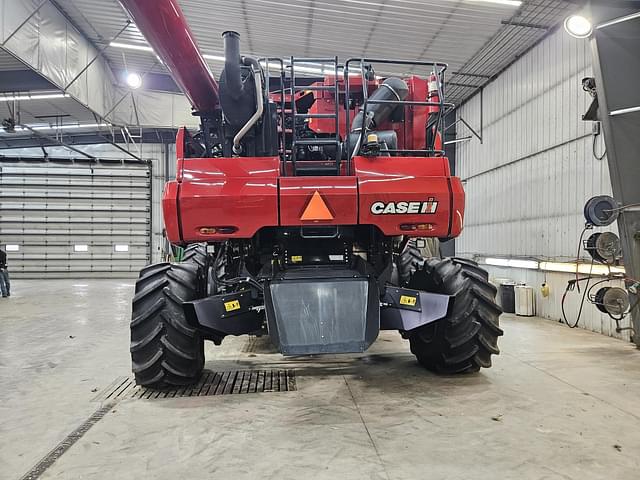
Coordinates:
242 100
232 63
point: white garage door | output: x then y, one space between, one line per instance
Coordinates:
63 219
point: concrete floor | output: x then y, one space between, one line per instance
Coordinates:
558 404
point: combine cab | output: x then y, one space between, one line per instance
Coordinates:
301 204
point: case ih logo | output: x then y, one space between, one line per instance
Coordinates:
403 208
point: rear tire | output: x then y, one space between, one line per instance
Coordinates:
165 349
408 261
464 340
196 254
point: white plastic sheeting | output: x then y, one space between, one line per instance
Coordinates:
50 45
153 108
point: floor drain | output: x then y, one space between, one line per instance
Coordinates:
37 471
211 383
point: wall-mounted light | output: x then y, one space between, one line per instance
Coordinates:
583 268
134 80
578 26
12 248
512 262
561 267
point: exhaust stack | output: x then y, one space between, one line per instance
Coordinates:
232 63
164 26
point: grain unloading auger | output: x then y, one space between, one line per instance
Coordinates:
300 202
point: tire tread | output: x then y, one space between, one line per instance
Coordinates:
463 341
165 351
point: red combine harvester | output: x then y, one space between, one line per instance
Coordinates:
300 204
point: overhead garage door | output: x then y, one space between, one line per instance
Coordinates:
64 219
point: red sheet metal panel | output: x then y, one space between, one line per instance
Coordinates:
405 196
229 193
339 194
170 212
457 207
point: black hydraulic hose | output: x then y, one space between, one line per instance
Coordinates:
394 89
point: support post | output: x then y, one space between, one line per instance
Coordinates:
615 44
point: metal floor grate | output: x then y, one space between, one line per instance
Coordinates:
211 383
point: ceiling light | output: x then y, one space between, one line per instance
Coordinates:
32 96
511 3
131 46
69 126
134 80
578 26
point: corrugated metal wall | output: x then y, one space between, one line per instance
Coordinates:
528 181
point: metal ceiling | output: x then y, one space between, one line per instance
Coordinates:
476 37
9 63
33 112
470 35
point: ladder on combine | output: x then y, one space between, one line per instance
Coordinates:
315 167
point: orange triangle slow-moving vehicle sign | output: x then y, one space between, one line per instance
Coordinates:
316 209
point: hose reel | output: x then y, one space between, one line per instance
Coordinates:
612 300
601 211
604 247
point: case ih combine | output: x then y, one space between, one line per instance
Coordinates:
300 204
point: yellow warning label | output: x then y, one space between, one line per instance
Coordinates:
296 258
406 300
232 305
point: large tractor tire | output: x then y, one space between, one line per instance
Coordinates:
165 350
465 340
196 254
408 262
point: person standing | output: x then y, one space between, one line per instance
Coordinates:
5 286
